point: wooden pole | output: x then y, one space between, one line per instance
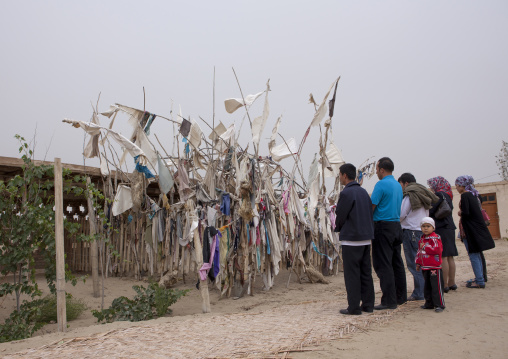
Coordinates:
94 249
60 254
120 259
213 117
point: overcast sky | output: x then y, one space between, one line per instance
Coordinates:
425 83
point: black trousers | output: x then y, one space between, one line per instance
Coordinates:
358 278
433 289
388 264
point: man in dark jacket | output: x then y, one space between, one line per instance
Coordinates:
356 227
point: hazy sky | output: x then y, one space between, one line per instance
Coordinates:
425 83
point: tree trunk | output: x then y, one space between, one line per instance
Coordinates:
94 249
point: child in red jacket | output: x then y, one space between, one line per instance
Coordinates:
428 259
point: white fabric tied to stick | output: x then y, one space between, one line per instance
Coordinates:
313 195
92 147
103 166
226 137
233 104
284 150
123 200
93 129
275 129
297 205
217 131
323 108
113 109
183 179
335 160
191 224
211 213
145 145
313 171
166 180
259 123
195 134
135 119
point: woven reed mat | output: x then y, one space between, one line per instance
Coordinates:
271 333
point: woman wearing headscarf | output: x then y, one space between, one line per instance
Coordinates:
474 231
445 227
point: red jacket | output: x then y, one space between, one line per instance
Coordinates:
429 252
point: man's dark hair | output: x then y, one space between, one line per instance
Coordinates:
406 178
386 163
349 170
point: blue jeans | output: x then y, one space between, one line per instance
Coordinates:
476 263
410 242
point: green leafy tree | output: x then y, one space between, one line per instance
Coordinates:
27 227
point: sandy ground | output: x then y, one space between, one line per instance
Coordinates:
284 320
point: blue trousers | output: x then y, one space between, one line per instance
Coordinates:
476 263
410 240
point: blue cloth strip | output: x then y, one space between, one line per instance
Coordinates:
143 169
318 252
258 255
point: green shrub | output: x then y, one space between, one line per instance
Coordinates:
35 314
149 303
74 308
22 324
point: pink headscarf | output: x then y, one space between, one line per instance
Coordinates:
440 184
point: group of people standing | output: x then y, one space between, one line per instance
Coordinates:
403 213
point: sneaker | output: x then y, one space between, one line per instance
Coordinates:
439 310
475 285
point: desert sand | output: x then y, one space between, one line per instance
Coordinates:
299 320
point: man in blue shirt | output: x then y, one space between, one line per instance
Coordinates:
354 222
386 246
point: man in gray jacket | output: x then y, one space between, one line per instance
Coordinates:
415 205
356 227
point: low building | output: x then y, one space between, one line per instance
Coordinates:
495 203
77 252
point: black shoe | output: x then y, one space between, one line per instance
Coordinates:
427 307
347 312
439 310
367 310
446 289
453 287
383 307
